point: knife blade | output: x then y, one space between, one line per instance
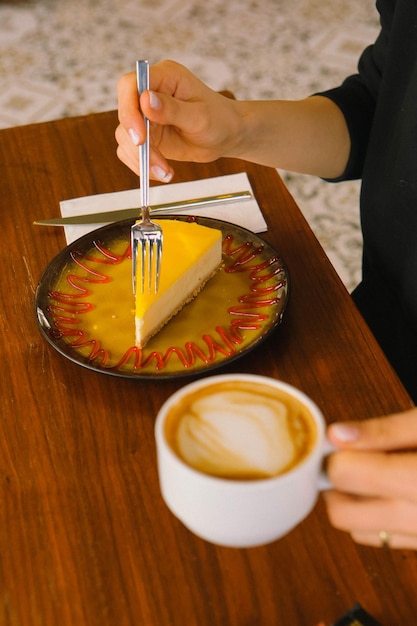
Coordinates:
106 217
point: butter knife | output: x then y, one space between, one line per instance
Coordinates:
106 217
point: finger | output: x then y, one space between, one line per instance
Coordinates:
129 155
159 169
187 117
170 77
374 473
394 432
396 540
125 158
370 515
130 117
171 85
126 151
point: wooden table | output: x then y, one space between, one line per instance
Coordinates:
85 538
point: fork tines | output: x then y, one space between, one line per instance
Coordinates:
145 234
149 242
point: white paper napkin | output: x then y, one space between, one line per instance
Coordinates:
244 213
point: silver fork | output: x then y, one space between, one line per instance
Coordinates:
145 235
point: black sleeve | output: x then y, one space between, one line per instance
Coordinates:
357 97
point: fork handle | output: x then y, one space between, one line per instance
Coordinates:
142 78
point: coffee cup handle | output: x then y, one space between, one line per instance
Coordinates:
324 483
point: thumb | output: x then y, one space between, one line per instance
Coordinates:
393 432
167 110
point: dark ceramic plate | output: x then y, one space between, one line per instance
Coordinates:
234 313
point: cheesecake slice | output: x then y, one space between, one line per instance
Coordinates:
191 255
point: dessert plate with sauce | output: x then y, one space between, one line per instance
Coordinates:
86 310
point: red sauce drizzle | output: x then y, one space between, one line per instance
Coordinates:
67 308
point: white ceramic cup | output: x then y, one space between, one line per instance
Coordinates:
242 512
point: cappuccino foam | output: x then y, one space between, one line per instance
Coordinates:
238 431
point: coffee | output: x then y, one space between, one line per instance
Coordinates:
239 430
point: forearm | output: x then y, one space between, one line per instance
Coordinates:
308 136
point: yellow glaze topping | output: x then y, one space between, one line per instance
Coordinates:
184 244
93 307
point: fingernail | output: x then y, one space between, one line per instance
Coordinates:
154 101
345 432
161 174
134 136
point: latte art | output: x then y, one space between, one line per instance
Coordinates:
234 432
